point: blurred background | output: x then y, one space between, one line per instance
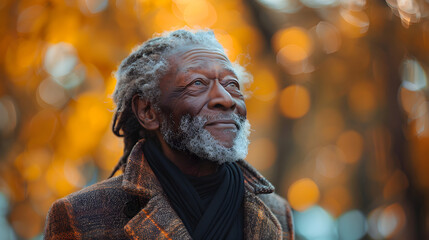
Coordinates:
339 104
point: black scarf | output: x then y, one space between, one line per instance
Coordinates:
223 217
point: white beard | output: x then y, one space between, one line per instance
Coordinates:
193 138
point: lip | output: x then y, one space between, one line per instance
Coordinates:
223 124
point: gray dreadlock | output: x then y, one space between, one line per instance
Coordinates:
140 73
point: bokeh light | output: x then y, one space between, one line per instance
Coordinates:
408 10
352 225
21 59
52 94
411 102
93 6
373 223
413 75
283 6
385 222
60 59
336 200
294 101
329 161
354 23
5 227
315 223
264 85
397 183
329 36
303 194
31 19
294 36
319 3
293 46
201 13
391 220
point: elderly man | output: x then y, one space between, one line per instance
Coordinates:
183 118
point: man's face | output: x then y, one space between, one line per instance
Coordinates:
203 109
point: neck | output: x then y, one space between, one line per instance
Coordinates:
187 163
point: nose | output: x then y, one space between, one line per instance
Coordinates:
220 98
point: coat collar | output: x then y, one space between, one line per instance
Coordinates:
159 218
139 178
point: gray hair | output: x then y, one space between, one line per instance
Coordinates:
140 74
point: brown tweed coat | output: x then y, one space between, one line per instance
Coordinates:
134 206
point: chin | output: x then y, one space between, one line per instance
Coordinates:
226 144
226 138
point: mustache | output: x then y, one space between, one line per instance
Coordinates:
223 117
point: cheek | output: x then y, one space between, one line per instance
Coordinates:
189 106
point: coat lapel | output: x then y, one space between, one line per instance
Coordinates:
158 220
259 221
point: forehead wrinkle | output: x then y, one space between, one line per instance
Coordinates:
225 67
201 66
211 51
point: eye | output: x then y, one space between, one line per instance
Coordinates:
233 84
198 83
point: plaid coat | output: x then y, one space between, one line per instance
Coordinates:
134 206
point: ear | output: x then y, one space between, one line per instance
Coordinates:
145 113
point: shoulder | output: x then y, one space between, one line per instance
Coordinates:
281 209
100 200
99 194
60 222
93 211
